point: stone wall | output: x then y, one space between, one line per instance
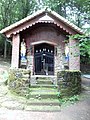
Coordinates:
19 81
59 65
69 83
30 64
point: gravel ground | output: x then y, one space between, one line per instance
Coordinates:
77 111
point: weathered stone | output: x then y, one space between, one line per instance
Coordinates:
19 81
69 83
59 60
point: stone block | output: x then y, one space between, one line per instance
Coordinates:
69 82
19 81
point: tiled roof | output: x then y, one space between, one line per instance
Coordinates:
68 23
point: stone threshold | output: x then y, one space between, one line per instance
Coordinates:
46 76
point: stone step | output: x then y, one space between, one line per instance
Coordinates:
43 85
45 102
43 78
44 82
42 90
48 100
43 108
44 95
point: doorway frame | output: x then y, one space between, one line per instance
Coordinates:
41 42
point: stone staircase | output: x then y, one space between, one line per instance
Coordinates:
43 96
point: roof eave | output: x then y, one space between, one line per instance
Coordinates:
68 23
22 21
59 17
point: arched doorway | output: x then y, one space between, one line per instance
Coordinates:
44 59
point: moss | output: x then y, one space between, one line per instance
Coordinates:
18 82
69 82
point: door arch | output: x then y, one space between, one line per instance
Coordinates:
44 59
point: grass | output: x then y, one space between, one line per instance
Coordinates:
69 100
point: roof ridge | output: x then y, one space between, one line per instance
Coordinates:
46 9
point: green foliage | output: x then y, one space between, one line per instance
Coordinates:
25 8
14 10
77 11
71 99
74 98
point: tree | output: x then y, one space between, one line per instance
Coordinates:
73 10
6 18
25 8
12 11
76 11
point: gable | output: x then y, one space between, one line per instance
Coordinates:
43 16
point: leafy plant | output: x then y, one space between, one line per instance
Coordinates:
70 100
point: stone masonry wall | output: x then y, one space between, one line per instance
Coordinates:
69 83
59 66
19 81
30 65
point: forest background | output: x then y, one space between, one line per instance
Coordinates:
76 11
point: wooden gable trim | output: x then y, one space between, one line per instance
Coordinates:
37 18
43 41
17 30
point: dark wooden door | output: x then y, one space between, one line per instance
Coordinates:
44 59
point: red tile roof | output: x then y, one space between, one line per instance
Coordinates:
46 19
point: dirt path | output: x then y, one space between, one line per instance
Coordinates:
79 111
